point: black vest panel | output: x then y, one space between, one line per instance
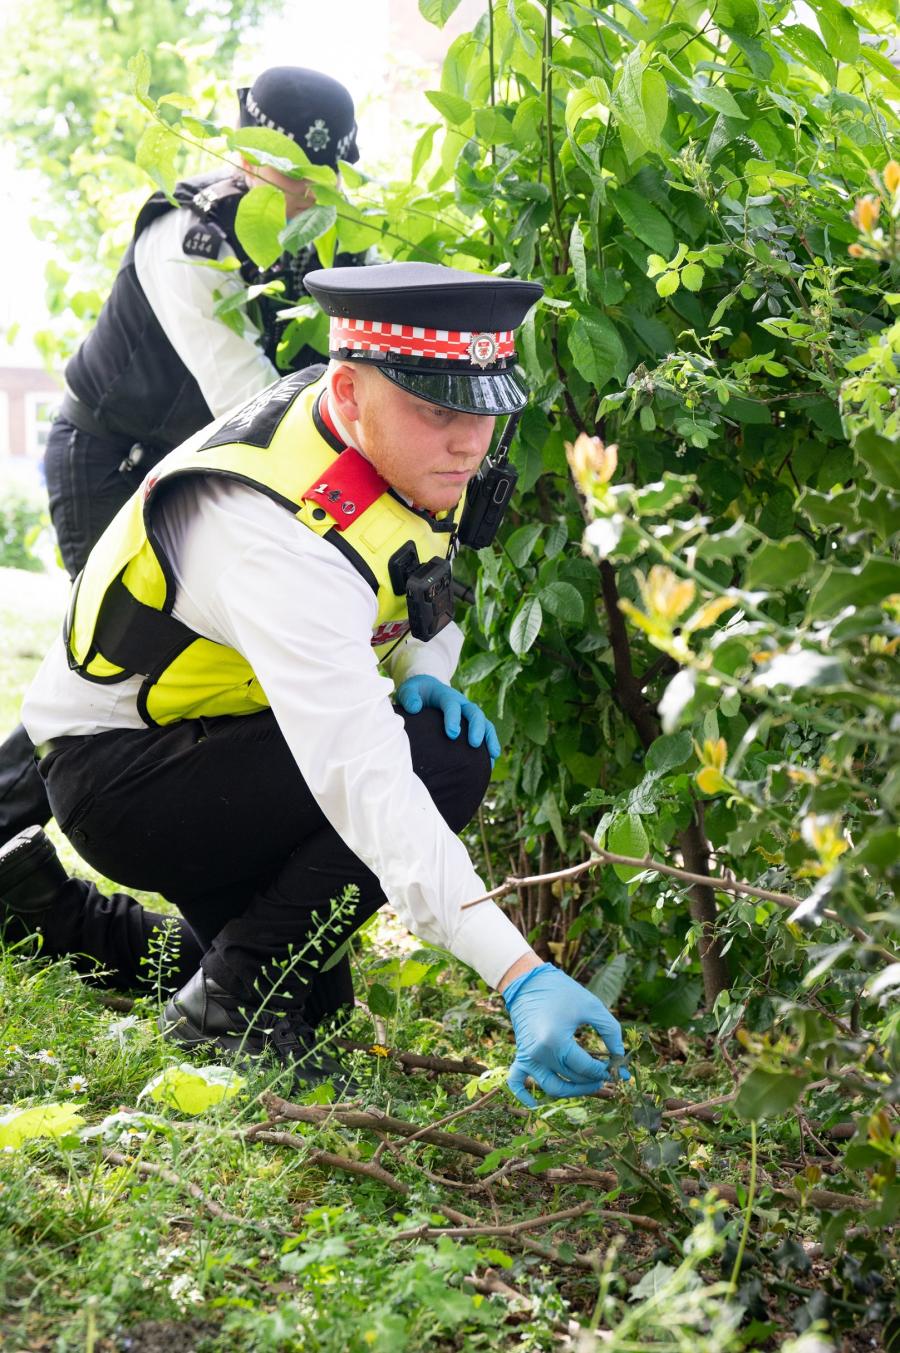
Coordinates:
127 373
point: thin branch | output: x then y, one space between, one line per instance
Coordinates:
373 1119
716 881
146 1167
415 1061
511 1229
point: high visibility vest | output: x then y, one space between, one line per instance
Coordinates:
120 622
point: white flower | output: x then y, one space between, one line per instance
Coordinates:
181 1291
45 1055
120 1028
130 1136
13 1050
77 1084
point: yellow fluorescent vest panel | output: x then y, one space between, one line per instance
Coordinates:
119 622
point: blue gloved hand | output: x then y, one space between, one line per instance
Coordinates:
546 1008
426 692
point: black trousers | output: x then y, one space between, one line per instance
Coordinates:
215 815
86 489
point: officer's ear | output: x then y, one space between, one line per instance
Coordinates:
346 389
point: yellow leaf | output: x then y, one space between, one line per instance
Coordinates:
891 176
710 780
708 614
47 1120
591 461
665 594
193 1089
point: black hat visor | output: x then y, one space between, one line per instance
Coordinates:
495 392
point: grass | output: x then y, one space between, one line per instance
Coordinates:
148 1228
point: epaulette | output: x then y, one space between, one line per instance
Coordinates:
204 240
212 194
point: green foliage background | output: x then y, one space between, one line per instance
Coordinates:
682 182
690 649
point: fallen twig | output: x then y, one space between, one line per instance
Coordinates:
511 1229
146 1167
373 1119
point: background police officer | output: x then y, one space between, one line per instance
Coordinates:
218 723
159 364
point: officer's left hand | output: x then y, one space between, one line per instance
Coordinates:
426 692
547 1007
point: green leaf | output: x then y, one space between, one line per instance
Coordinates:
412 972
742 15
768 1094
453 109
644 220
880 457
381 1001
607 984
563 601
668 284
692 276
520 545
597 350
627 836
307 226
779 564
655 1281
259 222
139 70
672 1001
870 583
668 752
193 1089
437 11
718 98
46 1120
535 722
640 104
811 49
156 154
526 626
839 31
579 262
422 152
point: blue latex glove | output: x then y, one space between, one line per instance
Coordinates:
546 1008
426 692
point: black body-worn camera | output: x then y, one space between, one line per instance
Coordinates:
488 494
486 500
428 588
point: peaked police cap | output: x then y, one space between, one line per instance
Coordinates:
441 333
311 108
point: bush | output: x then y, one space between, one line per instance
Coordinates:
22 521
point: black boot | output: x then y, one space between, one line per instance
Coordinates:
112 940
204 1014
31 877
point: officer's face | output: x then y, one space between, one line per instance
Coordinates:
298 193
426 452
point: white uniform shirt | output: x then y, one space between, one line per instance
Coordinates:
250 576
229 367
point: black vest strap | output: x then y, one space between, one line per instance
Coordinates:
138 637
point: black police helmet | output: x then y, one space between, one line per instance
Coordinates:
311 108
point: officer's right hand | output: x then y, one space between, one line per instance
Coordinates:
547 1007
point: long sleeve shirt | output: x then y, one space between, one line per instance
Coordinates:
248 575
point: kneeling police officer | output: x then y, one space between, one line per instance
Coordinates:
251 707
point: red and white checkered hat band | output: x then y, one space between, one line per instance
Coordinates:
411 340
